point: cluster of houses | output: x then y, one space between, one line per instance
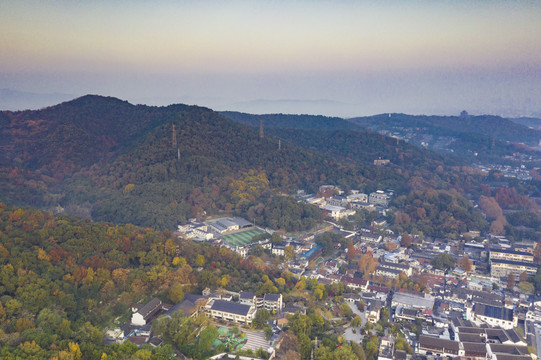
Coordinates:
337 205
460 312
229 307
206 231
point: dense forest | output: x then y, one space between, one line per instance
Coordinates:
150 166
64 279
105 159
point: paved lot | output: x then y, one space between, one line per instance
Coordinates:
256 340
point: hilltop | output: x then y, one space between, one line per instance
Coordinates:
114 161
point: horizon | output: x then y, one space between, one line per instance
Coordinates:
321 58
39 108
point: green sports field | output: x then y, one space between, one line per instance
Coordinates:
241 238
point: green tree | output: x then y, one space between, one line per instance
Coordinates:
443 261
176 293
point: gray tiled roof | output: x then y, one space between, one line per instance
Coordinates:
271 297
230 307
150 307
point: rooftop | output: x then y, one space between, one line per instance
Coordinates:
230 307
496 312
150 307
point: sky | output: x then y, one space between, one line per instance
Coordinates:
342 58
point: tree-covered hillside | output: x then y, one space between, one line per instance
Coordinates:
64 279
105 159
153 166
474 138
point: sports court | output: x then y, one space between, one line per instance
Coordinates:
241 238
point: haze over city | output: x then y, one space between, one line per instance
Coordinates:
342 58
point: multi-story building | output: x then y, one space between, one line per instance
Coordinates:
273 302
231 311
379 198
502 268
511 255
495 316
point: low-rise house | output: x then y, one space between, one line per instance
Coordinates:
352 297
508 352
337 212
373 311
512 255
191 305
279 249
247 297
386 272
396 266
412 301
354 282
429 345
379 198
475 350
369 237
142 315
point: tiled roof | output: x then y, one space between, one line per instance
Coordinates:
230 307
271 297
150 307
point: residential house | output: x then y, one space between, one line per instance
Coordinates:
142 315
373 311
429 345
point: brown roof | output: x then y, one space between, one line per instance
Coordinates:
474 348
138 340
432 342
513 357
471 338
509 349
471 330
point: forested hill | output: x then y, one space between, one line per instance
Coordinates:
342 139
493 126
64 279
286 121
114 161
534 123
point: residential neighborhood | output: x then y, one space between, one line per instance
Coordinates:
419 296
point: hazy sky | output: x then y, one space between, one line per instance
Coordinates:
334 57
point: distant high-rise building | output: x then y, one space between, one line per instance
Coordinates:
261 129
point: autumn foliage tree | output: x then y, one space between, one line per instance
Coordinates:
367 265
406 240
511 281
465 263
